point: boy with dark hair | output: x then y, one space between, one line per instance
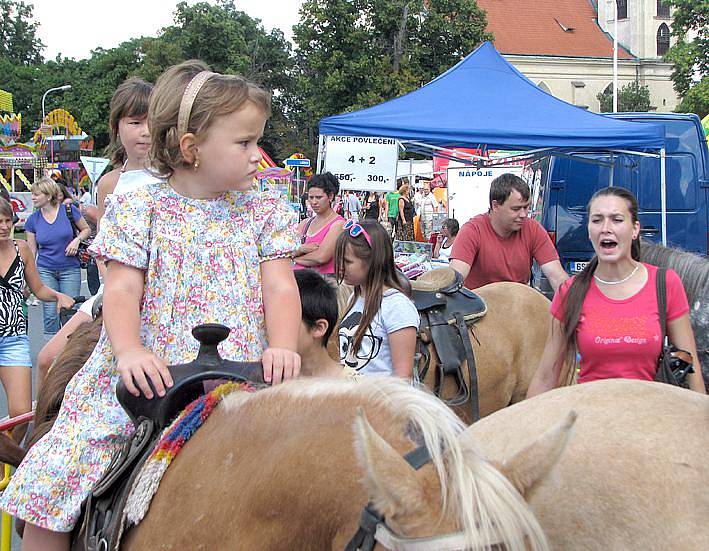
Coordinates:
319 318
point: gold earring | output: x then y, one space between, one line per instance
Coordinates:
196 164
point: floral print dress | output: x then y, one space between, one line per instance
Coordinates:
201 260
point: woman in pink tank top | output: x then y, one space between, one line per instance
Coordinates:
319 233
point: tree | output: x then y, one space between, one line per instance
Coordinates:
357 53
696 100
18 33
690 53
225 38
631 97
229 41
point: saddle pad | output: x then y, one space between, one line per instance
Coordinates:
171 442
434 280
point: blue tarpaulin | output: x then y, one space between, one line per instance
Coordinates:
483 100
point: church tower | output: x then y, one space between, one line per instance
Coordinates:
644 26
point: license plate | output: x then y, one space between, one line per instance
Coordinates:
576 267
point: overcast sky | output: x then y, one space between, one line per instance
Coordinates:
75 27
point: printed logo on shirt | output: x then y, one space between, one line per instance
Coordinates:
611 330
368 349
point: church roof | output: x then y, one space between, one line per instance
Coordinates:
565 28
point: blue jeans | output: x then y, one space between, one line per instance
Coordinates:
67 281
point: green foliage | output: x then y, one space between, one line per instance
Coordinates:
631 97
227 39
696 100
357 53
18 34
350 54
690 54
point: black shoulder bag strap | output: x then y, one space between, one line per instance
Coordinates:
70 216
660 285
305 230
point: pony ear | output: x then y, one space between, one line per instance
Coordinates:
531 464
391 482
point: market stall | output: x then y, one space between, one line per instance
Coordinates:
484 102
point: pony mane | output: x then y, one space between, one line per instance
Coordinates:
692 269
484 501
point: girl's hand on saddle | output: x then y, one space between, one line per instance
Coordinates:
135 364
280 364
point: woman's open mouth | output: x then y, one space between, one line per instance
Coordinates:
608 244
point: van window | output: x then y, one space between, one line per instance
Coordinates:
681 172
681 136
535 174
582 181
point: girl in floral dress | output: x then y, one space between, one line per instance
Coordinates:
200 246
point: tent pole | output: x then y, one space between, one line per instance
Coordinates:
612 171
321 153
663 196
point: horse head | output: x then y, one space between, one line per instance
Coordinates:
420 508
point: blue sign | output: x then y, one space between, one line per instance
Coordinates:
297 162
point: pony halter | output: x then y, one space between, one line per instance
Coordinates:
188 97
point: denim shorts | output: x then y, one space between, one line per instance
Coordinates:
15 351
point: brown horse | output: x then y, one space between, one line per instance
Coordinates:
634 473
508 343
78 348
282 469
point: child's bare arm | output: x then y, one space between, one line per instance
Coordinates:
121 316
281 303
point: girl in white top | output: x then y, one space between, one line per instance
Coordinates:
377 333
130 142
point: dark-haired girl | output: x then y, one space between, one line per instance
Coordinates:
377 333
319 233
608 313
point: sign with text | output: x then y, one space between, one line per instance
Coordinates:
302 163
362 162
469 189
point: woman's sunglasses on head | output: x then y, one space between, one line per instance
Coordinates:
355 229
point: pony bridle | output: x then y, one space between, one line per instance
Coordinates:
373 528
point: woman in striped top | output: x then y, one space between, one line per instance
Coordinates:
17 267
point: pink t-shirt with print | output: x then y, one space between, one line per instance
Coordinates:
622 338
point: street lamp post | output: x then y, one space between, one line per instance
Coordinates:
58 88
615 56
62 88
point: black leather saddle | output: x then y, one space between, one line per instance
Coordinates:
101 528
446 309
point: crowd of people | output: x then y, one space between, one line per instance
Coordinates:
184 238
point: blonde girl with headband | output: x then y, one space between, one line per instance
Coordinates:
130 145
201 245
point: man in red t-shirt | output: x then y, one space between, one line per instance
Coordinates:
500 244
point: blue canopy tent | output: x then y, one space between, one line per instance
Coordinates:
485 101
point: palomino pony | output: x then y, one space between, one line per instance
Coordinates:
291 467
508 343
693 270
635 470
